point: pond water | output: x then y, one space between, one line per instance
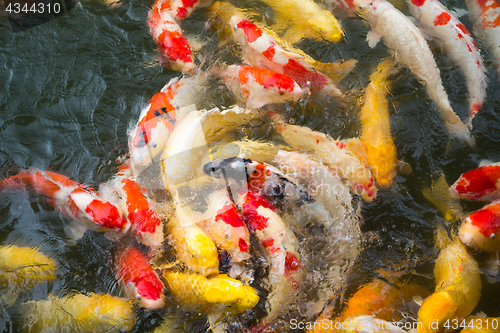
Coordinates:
70 88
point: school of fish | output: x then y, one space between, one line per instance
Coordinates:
210 221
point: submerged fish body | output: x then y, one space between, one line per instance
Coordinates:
217 296
157 120
281 246
260 49
181 9
409 46
438 22
22 268
333 154
138 278
72 199
376 137
174 48
485 15
259 87
145 224
458 289
78 313
304 18
224 225
481 184
481 229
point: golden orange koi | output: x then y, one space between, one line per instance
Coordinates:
458 289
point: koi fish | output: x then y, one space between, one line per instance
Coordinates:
217 296
138 278
439 195
376 140
78 313
245 174
194 249
458 289
181 9
410 48
225 226
485 15
260 49
381 299
481 229
146 225
281 246
76 201
304 18
438 22
22 268
174 48
259 87
332 153
157 120
481 184
256 150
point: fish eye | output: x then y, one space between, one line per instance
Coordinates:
281 93
235 27
153 144
138 297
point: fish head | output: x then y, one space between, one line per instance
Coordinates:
481 228
237 296
244 31
149 292
327 26
477 184
366 8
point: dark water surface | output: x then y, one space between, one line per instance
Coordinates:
70 88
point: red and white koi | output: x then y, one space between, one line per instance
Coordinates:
157 120
485 15
174 48
281 246
333 154
225 226
410 48
146 225
181 9
260 49
438 22
75 200
259 87
481 229
481 184
138 278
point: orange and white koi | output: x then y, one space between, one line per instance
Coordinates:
481 184
458 289
333 154
157 120
485 15
174 48
146 225
437 21
259 87
281 246
75 200
138 278
410 48
225 226
481 229
260 49
245 174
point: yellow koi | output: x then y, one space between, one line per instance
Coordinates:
307 20
78 313
458 289
218 296
22 268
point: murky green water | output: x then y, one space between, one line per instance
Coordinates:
70 88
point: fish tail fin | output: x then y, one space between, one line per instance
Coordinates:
337 70
384 69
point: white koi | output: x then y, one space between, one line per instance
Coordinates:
408 45
437 21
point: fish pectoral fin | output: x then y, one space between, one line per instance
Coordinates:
372 38
418 37
403 167
336 70
293 55
74 230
